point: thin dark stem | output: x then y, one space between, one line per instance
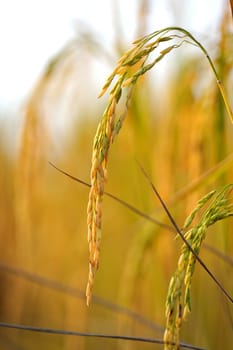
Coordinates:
182 236
121 201
147 217
95 335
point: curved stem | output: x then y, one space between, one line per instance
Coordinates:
219 83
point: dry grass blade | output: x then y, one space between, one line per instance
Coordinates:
117 199
227 259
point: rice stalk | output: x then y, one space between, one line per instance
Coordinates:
32 143
29 204
178 302
231 4
131 66
143 11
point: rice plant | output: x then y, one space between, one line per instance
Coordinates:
151 278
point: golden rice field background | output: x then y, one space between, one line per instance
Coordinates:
181 134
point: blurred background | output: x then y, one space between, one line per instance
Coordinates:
55 57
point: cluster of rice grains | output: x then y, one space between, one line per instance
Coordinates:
132 65
178 303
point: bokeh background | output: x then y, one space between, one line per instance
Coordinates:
55 57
